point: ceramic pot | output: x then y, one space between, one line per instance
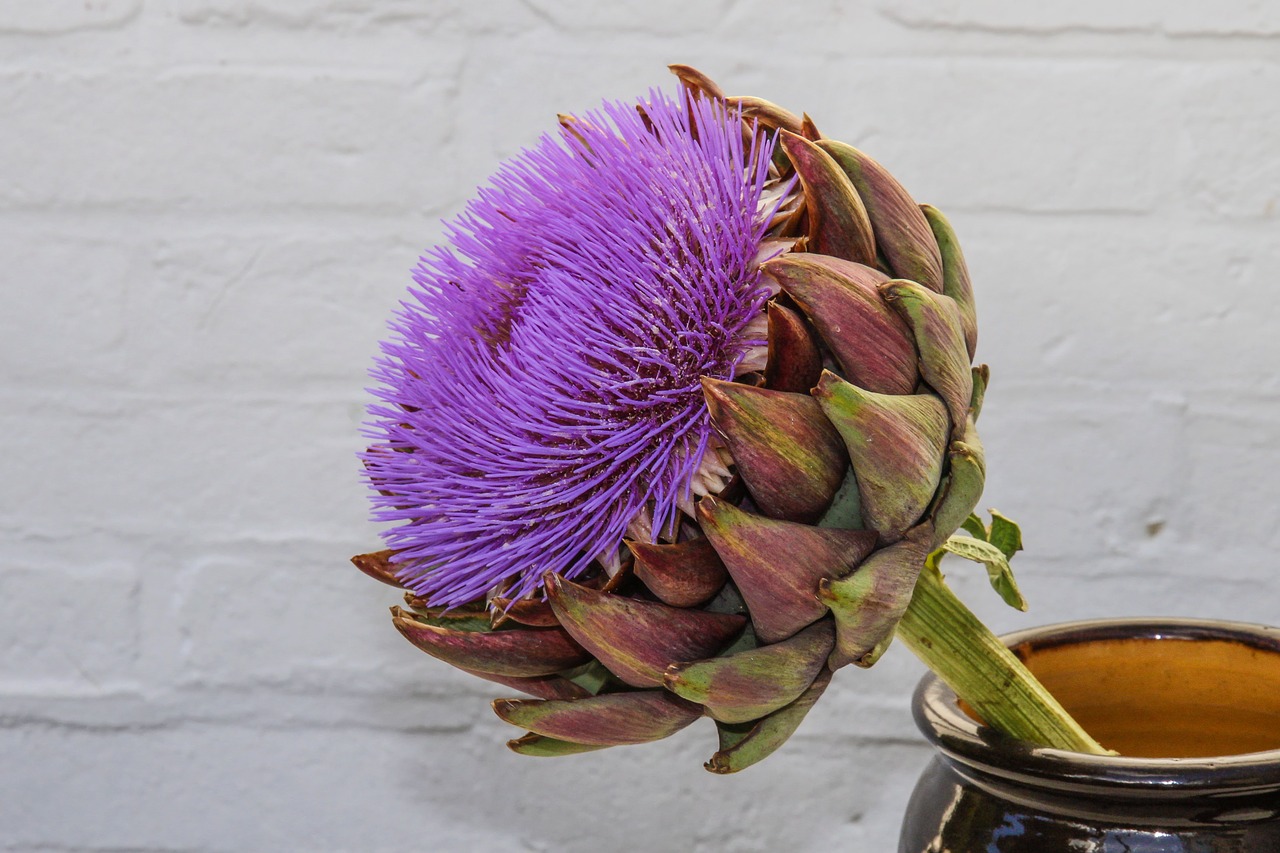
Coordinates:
1193 708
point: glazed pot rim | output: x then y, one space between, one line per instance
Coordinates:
976 746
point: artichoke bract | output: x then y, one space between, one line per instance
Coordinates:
670 427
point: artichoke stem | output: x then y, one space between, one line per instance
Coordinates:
990 679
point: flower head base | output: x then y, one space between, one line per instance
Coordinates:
543 386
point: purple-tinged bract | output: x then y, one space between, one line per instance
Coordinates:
541 387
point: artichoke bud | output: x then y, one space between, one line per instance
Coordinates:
838 222
611 719
776 565
901 230
748 685
896 446
873 345
792 363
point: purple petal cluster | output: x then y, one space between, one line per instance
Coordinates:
541 385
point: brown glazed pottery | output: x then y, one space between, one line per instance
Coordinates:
1191 706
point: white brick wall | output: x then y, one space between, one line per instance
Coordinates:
208 209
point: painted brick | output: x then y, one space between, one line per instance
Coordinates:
1084 472
1228 141
69 630
1245 19
207 140
144 465
1240 17
329 625
208 209
1083 136
1232 447
287 16
1086 136
220 788
196 309
68 307
1141 302
43 19
232 305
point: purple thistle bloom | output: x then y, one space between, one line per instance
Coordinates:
541 388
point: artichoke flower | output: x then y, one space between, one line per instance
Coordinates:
670 426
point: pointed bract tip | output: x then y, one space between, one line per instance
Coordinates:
824 593
696 80
808 128
826 382
791 141
539 746
402 619
378 566
713 395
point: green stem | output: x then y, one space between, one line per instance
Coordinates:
954 643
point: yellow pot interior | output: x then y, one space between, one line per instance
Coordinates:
1168 697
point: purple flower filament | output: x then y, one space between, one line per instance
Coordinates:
541 385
